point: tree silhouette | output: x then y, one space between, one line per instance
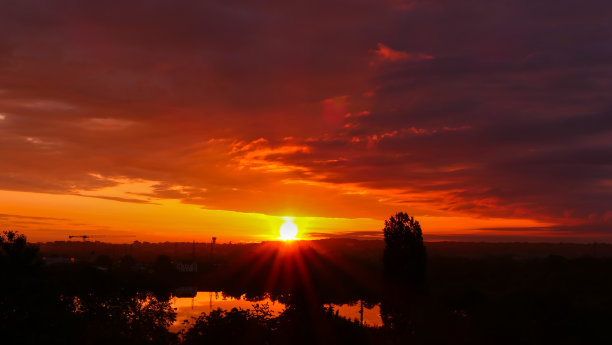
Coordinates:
104 261
17 256
163 264
122 317
127 262
14 247
405 257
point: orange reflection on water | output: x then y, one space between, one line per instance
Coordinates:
188 308
371 316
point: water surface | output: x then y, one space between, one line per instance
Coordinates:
188 308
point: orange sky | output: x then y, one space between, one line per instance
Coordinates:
154 122
48 217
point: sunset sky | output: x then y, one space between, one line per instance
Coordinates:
181 120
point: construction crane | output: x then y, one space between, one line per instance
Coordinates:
86 237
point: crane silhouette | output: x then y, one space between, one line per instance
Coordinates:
86 237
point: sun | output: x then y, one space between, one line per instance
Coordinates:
288 231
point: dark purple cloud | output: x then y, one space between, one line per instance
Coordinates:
480 108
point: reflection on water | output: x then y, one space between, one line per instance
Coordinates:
371 316
206 301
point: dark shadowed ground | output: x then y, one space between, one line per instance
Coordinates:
475 293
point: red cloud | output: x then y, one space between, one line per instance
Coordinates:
504 112
384 52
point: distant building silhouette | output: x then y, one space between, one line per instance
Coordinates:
185 292
58 261
186 266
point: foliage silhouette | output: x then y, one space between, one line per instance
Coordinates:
132 318
163 263
298 324
15 252
127 262
84 306
104 261
236 326
482 299
405 256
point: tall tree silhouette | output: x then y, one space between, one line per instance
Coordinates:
405 257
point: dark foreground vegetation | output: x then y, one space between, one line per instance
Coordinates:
458 299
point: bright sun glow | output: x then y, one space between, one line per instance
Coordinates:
288 231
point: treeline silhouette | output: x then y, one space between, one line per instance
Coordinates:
367 253
39 306
424 299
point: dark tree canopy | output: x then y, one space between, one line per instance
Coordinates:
405 257
15 253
